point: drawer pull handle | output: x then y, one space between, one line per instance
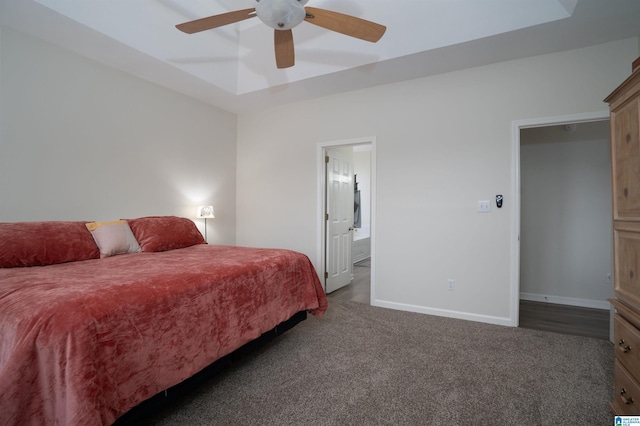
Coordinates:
626 400
626 348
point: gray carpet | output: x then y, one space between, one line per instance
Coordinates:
362 365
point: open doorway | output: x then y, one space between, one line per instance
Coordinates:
565 227
362 261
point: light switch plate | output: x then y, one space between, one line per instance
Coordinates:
484 206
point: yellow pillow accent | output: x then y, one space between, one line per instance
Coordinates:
92 226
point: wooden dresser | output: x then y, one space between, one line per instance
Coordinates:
624 104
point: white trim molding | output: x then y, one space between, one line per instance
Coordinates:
487 319
321 147
569 301
516 126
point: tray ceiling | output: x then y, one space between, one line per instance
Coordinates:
233 67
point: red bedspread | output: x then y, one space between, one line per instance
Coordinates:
81 343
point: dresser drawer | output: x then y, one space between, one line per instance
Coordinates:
627 392
627 345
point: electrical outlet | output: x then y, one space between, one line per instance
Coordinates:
452 284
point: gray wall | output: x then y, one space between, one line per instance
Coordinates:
82 141
442 143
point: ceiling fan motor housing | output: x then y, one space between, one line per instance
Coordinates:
281 14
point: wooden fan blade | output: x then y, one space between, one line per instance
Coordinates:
345 24
283 42
216 21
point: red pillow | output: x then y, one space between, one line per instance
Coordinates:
45 243
161 233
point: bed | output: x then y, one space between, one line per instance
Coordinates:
87 333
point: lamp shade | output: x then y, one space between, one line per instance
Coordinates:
205 212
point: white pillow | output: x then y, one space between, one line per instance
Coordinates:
114 237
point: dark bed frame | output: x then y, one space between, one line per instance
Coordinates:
137 414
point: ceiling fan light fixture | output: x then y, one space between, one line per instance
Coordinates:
281 14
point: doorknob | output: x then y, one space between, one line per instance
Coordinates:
351 228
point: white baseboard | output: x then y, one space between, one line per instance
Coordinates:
444 313
505 321
571 301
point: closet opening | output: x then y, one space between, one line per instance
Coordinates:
566 251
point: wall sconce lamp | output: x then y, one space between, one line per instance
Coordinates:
205 212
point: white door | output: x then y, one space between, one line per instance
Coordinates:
339 218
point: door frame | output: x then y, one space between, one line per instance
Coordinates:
516 127
321 203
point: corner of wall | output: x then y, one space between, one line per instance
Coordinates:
1 116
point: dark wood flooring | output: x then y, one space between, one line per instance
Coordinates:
534 315
565 319
360 288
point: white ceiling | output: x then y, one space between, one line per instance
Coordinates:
233 67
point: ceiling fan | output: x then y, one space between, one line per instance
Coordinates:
282 16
